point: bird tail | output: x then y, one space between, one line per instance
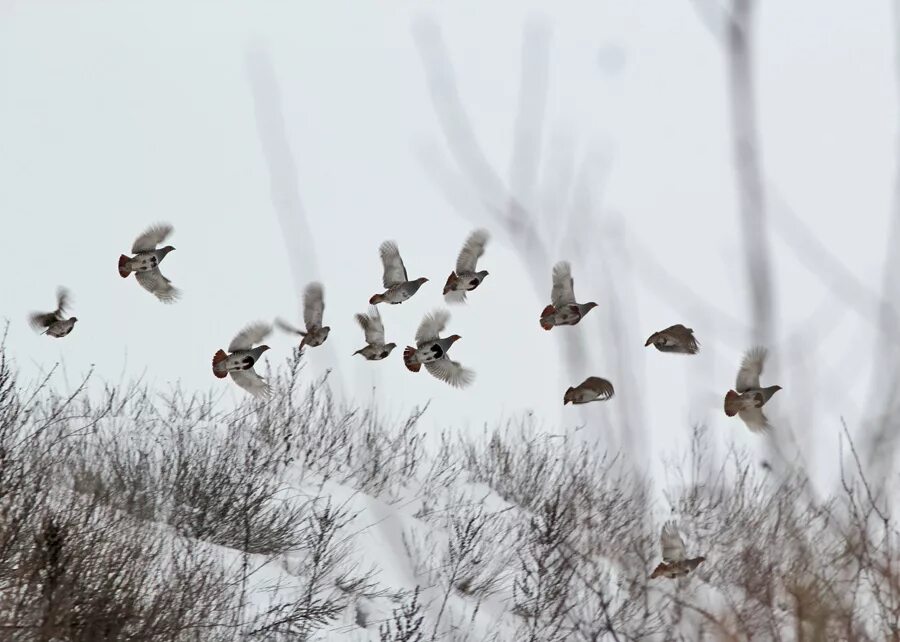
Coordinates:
545 323
451 281
658 571
409 355
376 299
219 358
732 403
123 271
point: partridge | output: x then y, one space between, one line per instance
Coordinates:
54 323
313 310
431 351
395 279
563 309
675 338
591 389
373 328
747 398
241 358
464 278
675 563
146 260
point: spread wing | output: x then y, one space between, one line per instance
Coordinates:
671 543
755 419
602 387
313 305
63 298
432 326
451 372
154 282
394 270
471 251
253 333
287 327
41 320
151 237
251 382
563 292
372 326
751 368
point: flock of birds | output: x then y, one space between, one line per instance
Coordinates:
431 349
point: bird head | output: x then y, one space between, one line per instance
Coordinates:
590 305
167 249
73 319
421 280
567 398
263 348
453 338
649 341
483 274
390 346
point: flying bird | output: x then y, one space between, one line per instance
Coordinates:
747 398
675 338
563 309
146 260
398 286
431 351
591 389
242 357
54 323
464 278
313 310
373 328
675 563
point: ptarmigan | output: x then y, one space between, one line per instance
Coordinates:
431 351
54 324
395 279
242 357
747 398
313 310
146 260
373 328
675 563
563 309
464 278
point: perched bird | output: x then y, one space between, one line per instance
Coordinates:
747 399
376 349
563 310
313 309
675 338
464 278
243 356
146 260
431 351
591 389
674 562
399 287
54 323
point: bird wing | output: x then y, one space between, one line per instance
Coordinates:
252 333
432 325
683 337
601 386
287 327
151 237
751 368
563 291
313 305
471 251
63 298
251 382
372 326
153 281
755 419
394 270
40 320
451 372
671 543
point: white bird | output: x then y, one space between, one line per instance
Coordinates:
243 356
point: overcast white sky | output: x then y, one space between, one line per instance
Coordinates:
117 115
